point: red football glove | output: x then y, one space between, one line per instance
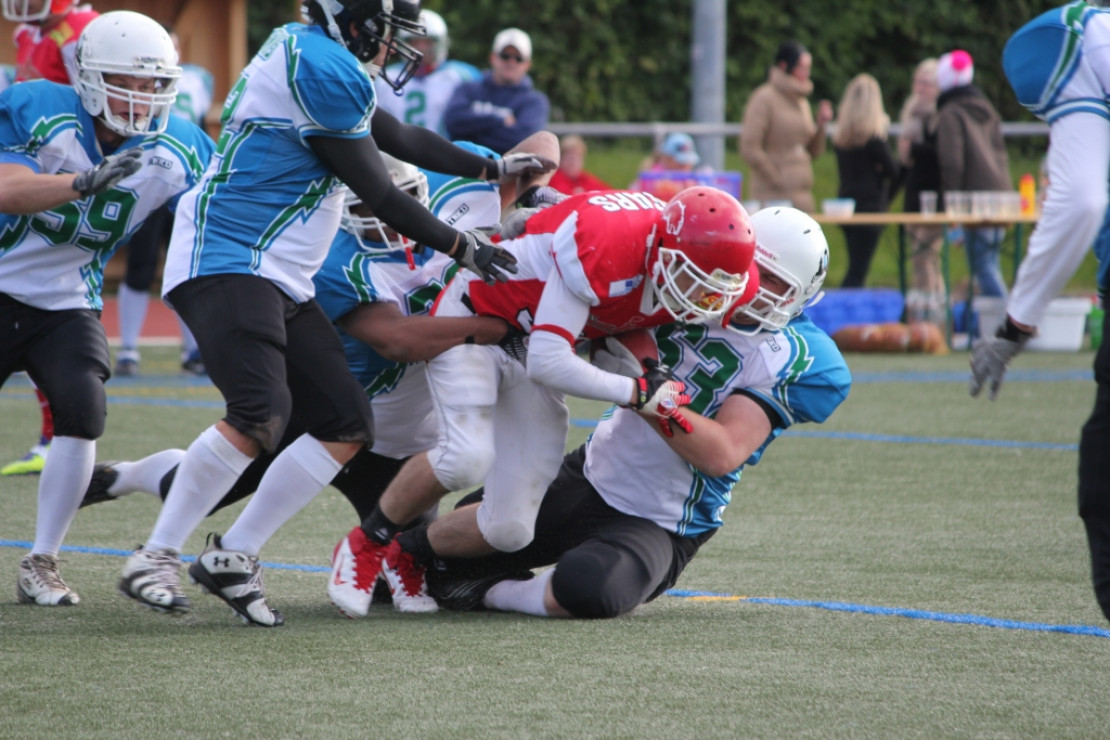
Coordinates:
661 396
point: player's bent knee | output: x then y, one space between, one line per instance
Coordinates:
267 434
508 536
582 586
459 469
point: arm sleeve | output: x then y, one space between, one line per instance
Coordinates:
358 163
1076 201
551 358
425 148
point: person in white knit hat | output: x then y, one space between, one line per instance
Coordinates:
972 158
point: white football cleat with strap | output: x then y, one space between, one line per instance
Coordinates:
356 563
406 582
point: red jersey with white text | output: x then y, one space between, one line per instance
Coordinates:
599 243
49 55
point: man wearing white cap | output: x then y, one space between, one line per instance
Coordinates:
502 108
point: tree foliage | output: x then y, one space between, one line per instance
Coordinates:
613 60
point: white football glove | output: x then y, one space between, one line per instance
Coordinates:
111 170
520 163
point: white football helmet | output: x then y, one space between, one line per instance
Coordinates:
791 246
435 30
33 11
131 44
373 234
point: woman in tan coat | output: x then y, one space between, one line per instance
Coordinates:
780 137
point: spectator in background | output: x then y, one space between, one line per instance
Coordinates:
503 108
868 172
424 98
45 42
678 154
972 158
571 177
194 98
780 137
917 148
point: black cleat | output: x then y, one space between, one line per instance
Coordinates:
465 594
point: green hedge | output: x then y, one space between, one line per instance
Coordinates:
614 60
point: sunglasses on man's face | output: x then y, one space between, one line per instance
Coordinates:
508 57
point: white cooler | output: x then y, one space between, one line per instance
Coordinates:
1061 330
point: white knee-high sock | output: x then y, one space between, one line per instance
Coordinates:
293 479
133 305
210 468
65 476
144 475
520 596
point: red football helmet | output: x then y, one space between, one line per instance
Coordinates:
32 11
704 255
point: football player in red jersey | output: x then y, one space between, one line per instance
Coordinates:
46 37
594 265
45 42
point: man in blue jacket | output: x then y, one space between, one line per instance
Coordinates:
501 109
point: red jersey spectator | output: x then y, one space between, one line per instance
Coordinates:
571 177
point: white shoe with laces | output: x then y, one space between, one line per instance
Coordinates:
39 583
406 582
356 563
236 578
153 578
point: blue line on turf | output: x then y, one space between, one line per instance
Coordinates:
184 558
972 619
591 423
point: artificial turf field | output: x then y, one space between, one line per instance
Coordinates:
915 567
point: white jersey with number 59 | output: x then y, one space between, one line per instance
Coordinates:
54 259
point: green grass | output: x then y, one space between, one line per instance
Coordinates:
883 506
617 162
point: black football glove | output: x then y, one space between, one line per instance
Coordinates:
477 253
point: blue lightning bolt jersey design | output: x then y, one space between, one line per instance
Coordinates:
266 205
55 259
798 371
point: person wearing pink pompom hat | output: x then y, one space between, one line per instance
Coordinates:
972 158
